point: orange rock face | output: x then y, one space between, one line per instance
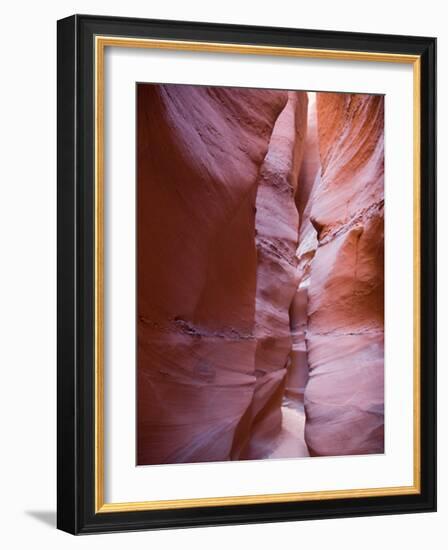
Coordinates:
276 226
344 397
307 243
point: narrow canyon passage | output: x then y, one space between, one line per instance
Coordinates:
337 316
260 315
290 441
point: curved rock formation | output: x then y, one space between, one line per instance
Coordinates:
199 154
344 397
260 274
276 226
307 244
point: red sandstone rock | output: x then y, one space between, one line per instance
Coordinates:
307 244
344 398
255 268
310 168
199 153
276 225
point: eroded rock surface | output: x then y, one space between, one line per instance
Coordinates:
276 226
344 397
199 154
260 274
309 178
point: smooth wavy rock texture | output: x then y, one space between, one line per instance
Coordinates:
276 227
344 397
306 246
200 151
260 274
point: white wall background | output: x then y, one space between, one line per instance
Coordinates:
28 272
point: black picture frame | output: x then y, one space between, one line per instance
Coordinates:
76 301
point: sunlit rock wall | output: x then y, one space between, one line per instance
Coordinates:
307 244
344 397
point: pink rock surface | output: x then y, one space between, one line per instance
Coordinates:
307 243
310 168
276 226
298 367
344 397
260 274
199 154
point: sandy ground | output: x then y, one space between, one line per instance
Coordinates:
290 442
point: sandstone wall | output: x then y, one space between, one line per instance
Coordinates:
307 243
199 156
260 273
344 397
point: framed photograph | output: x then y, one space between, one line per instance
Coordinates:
246 274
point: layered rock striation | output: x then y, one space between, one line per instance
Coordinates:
276 239
260 273
307 244
200 152
344 397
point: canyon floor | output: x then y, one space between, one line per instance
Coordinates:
291 439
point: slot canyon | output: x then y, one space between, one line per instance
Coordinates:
260 274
